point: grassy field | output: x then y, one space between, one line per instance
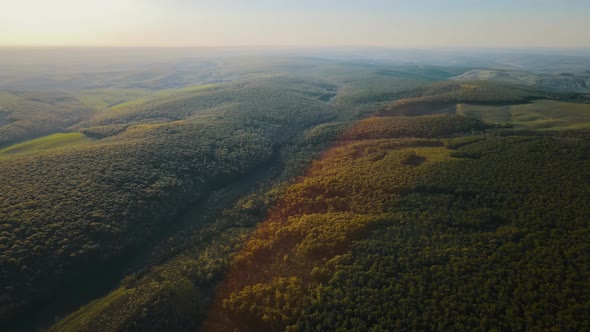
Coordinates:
162 94
77 319
116 98
45 143
8 98
104 98
540 115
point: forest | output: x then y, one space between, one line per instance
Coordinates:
293 194
437 233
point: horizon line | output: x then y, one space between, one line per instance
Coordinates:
281 46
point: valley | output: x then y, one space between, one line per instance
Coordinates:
286 193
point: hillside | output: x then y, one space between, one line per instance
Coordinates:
396 203
544 115
442 97
67 209
559 82
434 232
26 115
285 193
45 143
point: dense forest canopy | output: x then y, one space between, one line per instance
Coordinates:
288 192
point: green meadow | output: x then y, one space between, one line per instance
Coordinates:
59 140
8 98
104 98
539 115
161 94
81 317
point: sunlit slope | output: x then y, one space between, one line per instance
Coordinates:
565 82
539 115
7 98
151 156
442 97
46 143
397 203
199 100
154 97
108 97
77 320
508 104
511 106
67 210
26 115
436 233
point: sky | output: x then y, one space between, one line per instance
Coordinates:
383 23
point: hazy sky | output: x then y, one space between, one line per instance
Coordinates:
398 23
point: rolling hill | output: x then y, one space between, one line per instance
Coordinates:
560 82
285 193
